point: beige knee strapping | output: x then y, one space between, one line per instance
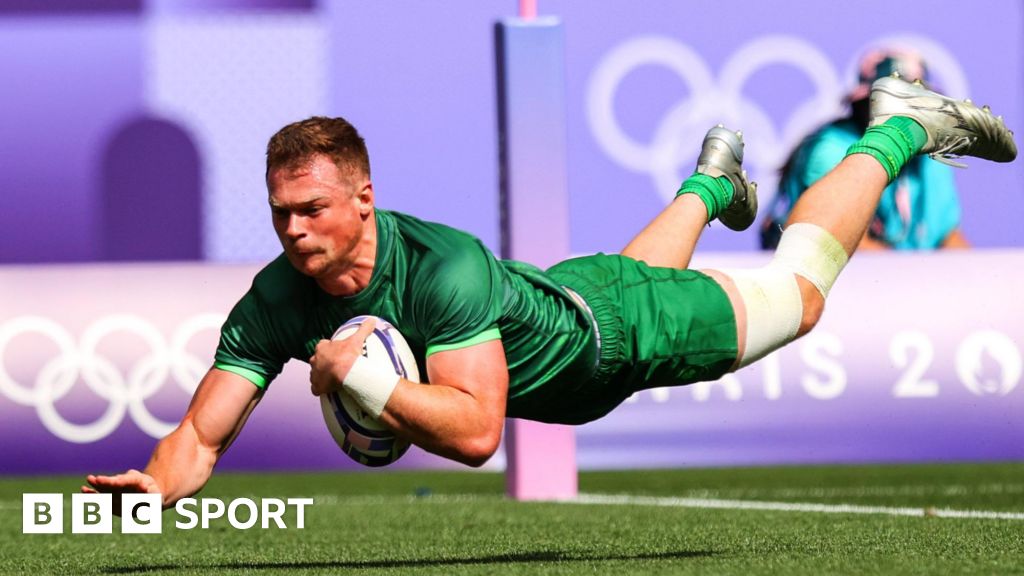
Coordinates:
774 308
771 294
812 252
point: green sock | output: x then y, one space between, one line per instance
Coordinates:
892 143
715 192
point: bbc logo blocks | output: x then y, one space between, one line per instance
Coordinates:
143 513
91 514
42 513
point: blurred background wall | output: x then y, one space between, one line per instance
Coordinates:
135 129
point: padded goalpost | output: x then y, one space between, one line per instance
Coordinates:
541 458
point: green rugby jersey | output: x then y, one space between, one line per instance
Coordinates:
443 290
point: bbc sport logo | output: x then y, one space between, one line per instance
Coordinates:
142 513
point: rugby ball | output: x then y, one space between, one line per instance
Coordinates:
359 435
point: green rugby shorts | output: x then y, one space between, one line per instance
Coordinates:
657 327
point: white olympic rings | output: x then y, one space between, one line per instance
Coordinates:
676 139
125 392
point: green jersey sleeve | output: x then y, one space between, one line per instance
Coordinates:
264 329
246 345
459 298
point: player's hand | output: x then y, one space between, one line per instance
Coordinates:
131 482
332 359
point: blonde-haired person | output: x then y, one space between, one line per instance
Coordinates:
919 210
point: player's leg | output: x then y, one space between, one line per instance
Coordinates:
906 119
784 299
718 189
670 239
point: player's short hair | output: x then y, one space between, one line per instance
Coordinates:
334 138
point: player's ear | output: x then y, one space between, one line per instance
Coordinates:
364 196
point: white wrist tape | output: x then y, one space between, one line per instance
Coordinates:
370 385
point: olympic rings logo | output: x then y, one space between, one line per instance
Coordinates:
125 392
677 138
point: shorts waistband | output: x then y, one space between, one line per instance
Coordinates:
593 320
600 310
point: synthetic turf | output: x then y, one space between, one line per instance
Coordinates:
458 523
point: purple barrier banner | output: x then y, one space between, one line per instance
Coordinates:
98 362
918 358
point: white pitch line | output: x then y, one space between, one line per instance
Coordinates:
858 492
788 506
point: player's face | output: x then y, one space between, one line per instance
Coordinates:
319 215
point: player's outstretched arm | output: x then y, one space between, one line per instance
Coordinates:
183 461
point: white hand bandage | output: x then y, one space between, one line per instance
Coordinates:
371 384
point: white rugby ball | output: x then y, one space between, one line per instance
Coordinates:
359 435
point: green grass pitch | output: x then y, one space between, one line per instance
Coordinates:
459 523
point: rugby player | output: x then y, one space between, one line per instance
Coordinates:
504 339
